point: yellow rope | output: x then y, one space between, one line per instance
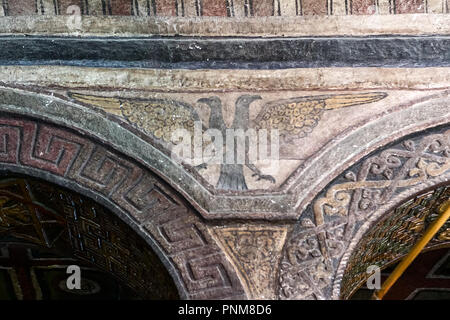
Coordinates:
415 251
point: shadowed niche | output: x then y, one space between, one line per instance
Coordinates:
391 238
45 228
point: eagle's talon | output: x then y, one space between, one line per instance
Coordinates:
201 166
264 177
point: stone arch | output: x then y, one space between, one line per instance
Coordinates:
387 236
40 219
315 254
37 141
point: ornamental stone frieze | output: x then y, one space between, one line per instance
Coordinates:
126 107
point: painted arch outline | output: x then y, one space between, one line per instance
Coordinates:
35 140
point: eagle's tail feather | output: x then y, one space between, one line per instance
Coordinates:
231 177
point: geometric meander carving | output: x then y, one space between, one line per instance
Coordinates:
58 219
63 156
312 255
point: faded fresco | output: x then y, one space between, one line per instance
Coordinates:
239 149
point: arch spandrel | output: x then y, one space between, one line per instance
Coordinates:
283 189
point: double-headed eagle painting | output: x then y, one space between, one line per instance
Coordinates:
294 119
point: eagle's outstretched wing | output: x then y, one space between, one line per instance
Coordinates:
296 117
158 117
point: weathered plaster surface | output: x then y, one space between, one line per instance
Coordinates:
163 80
413 24
290 239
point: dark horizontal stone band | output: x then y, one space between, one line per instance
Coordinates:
228 53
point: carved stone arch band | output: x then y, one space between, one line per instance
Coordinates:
398 225
41 147
316 254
